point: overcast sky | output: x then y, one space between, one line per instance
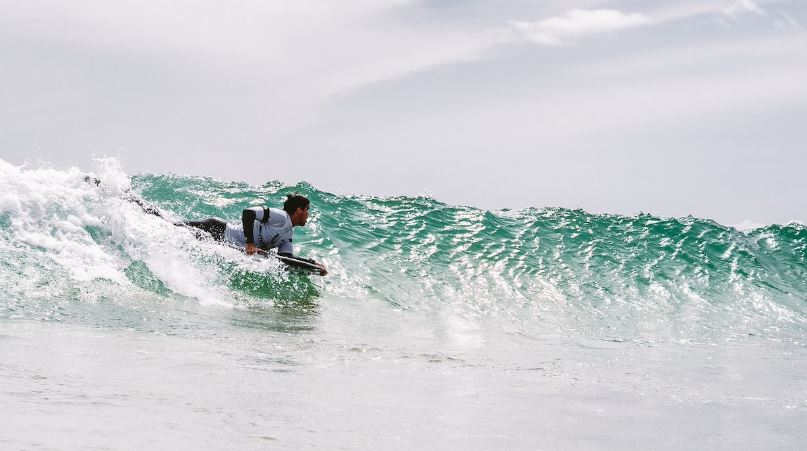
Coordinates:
667 107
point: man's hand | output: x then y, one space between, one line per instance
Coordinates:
250 248
322 269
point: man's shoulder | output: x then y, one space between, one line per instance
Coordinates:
279 216
278 212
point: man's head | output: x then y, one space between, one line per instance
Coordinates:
296 205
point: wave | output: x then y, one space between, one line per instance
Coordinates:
64 241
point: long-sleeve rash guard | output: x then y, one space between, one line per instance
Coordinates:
270 227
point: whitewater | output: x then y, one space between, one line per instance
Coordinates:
437 327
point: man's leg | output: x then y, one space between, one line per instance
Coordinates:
215 227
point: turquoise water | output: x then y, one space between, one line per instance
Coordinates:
420 294
536 265
594 274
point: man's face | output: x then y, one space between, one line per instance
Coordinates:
300 216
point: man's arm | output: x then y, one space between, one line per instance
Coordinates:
322 269
285 250
248 217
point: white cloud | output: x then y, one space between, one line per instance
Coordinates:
786 21
742 7
316 47
576 24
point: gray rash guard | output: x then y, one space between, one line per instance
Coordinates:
276 232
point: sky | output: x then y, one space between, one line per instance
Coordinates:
673 108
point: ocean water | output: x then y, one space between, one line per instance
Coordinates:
438 326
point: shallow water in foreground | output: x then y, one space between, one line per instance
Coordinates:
439 327
349 378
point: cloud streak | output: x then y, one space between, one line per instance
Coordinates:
742 7
577 24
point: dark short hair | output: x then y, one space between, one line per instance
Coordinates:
295 201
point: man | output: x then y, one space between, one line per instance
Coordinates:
263 228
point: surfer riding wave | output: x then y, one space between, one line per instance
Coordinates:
261 228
